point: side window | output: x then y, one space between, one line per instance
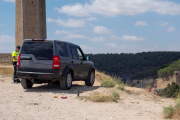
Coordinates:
80 55
74 52
62 48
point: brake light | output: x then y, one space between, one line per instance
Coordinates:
38 39
56 62
18 60
46 75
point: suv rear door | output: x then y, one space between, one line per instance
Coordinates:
78 63
37 56
75 62
84 67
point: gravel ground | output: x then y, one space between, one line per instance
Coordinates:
38 103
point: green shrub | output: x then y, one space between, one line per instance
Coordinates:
168 112
178 96
121 87
108 83
177 105
128 91
171 90
115 95
173 111
118 80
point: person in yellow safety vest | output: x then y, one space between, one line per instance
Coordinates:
15 56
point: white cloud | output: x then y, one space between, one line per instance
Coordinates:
101 30
75 10
171 29
110 45
76 36
91 18
86 30
141 23
98 39
121 7
9 0
87 49
127 38
62 32
69 23
164 24
7 39
2 25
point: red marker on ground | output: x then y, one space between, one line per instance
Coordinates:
150 90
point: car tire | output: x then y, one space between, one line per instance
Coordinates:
66 83
26 84
90 79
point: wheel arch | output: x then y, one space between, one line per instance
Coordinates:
68 68
90 69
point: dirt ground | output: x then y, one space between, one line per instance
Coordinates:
38 103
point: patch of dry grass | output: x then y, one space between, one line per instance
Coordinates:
98 97
7 71
173 111
100 76
6 64
108 83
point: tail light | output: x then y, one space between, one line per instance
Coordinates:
18 60
56 62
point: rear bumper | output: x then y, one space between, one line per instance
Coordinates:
36 75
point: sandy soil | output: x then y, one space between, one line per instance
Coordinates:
38 103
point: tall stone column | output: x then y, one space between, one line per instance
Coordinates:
30 20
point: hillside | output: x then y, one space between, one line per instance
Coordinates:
128 64
169 70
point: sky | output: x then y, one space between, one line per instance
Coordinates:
104 26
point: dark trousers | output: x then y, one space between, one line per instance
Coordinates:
15 69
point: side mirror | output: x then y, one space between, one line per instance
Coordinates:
87 58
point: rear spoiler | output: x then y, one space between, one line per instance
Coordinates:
42 39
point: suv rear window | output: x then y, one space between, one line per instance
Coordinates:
74 52
62 49
40 50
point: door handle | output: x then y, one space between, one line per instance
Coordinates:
72 61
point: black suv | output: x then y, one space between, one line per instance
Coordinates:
52 61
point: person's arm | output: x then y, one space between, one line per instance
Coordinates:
14 58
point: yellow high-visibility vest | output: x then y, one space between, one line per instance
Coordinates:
15 54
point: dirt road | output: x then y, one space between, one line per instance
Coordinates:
38 103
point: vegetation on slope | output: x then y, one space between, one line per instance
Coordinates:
129 64
171 90
149 73
169 71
